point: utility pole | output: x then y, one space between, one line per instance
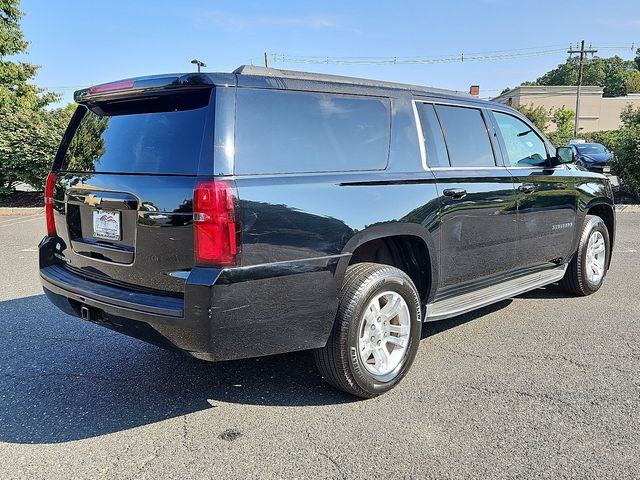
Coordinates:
266 60
582 53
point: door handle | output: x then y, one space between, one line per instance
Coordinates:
527 188
455 192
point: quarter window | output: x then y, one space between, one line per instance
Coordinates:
288 132
524 147
466 136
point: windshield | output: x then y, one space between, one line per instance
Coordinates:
591 148
138 138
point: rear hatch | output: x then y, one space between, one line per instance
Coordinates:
125 179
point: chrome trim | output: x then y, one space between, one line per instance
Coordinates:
468 168
423 149
450 307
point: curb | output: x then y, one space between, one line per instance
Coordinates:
628 208
4 211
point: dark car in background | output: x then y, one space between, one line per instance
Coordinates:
595 157
235 215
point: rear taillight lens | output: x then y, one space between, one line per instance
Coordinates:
48 203
215 226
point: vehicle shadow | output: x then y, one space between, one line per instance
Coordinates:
63 379
550 292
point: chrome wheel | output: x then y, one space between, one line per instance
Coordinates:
384 333
596 257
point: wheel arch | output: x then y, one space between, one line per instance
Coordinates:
606 211
409 247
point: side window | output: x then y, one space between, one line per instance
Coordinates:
466 136
524 146
280 131
433 140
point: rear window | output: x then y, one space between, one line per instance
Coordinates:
149 136
292 132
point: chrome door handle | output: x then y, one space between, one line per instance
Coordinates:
526 188
454 192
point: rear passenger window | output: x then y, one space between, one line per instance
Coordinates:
466 136
433 139
289 132
524 146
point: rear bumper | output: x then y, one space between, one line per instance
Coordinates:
224 314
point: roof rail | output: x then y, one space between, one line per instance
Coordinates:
323 77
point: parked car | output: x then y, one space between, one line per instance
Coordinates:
592 156
264 211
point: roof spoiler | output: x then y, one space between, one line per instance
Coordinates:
134 86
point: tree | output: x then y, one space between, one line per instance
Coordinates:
29 133
630 117
538 115
611 73
563 119
633 83
14 89
626 150
28 144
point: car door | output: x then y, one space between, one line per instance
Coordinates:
546 195
478 232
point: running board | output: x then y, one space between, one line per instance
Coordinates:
450 307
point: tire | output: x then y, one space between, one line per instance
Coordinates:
579 279
359 327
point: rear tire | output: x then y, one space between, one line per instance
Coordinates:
588 268
376 333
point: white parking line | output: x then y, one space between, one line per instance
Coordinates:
22 220
15 218
625 250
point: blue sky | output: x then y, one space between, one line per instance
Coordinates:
79 43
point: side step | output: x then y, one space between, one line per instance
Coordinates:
450 307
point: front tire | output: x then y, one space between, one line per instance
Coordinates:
376 333
588 268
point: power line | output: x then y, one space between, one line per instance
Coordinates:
496 55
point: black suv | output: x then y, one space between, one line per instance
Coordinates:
267 211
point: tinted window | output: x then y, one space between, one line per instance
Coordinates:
285 132
137 140
433 139
466 136
524 146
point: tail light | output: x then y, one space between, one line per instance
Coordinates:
48 203
215 225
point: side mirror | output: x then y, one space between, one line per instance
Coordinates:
565 155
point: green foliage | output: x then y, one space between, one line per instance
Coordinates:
28 144
626 163
87 144
612 73
29 134
538 115
608 138
564 120
633 83
630 116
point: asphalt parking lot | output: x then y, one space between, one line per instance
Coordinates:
543 385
